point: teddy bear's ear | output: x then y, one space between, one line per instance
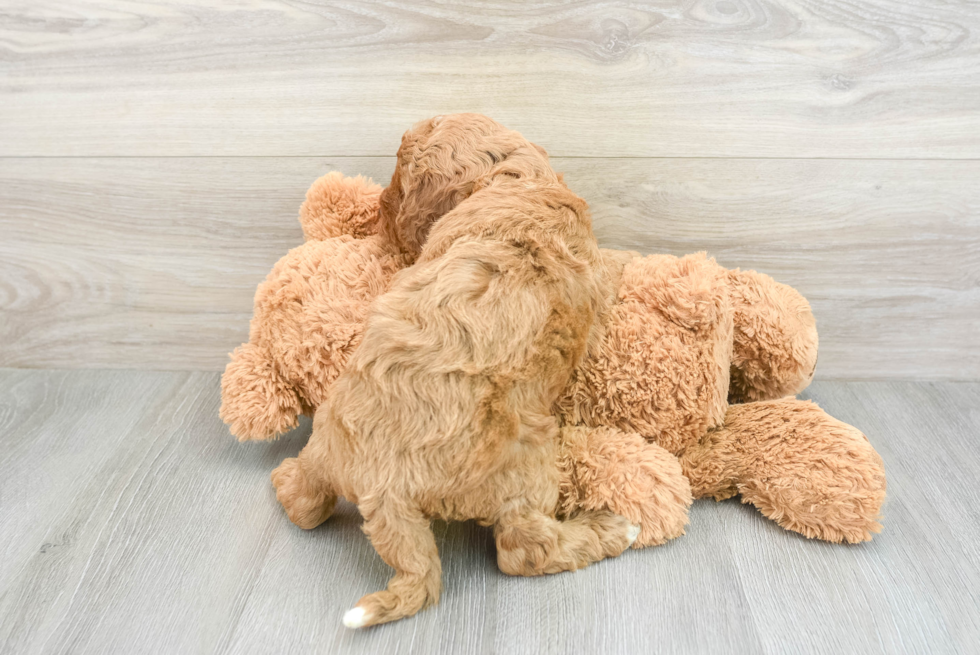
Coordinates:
336 205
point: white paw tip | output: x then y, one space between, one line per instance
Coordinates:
633 533
354 618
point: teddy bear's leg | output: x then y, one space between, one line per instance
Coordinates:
606 468
256 402
336 205
775 338
799 466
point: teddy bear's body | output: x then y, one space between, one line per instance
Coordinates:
681 338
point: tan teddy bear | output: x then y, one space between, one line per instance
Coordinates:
683 339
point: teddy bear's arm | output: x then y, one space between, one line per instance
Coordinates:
799 466
336 205
257 402
308 318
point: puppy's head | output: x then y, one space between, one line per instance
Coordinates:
441 162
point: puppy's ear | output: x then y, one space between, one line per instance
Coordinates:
503 169
391 199
519 163
415 200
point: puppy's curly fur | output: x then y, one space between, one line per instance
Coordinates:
445 409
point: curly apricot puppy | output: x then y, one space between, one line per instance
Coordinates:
444 411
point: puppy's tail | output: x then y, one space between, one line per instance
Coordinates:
403 538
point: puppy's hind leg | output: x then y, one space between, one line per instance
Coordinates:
307 499
403 538
529 542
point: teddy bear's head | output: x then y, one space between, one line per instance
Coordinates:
441 162
336 205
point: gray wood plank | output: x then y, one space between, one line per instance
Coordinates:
118 541
883 78
902 593
152 263
134 523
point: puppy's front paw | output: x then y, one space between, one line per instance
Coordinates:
632 533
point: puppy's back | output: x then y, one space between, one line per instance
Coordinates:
472 342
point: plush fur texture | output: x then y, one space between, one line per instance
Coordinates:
309 318
444 409
668 343
803 469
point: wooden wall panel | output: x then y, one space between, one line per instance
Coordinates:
687 78
152 263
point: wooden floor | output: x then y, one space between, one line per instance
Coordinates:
133 523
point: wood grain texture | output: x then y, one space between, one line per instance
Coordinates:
152 263
678 78
134 523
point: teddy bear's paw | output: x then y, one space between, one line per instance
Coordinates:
661 526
